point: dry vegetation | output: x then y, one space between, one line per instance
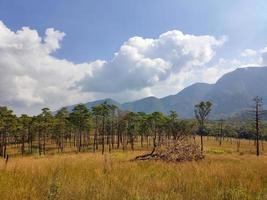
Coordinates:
179 151
223 174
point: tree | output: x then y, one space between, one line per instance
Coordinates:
96 110
202 111
32 130
131 119
46 121
113 112
104 111
24 122
221 121
172 123
80 117
157 121
61 126
7 123
258 104
143 127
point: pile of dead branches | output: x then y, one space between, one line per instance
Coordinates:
180 151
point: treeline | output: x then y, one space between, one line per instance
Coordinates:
105 127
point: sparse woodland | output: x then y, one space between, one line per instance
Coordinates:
105 128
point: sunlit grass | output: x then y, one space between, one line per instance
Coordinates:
224 174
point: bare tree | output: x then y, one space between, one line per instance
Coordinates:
258 112
221 131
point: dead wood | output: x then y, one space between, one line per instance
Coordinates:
180 151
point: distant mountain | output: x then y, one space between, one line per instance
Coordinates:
235 91
148 105
94 103
108 101
231 94
183 102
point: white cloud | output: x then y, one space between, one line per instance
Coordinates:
32 78
209 73
247 58
249 53
52 39
142 63
264 56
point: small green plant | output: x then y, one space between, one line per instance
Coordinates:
216 151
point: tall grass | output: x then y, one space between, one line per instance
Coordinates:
224 175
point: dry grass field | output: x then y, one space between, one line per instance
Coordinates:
223 174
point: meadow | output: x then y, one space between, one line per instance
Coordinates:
223 174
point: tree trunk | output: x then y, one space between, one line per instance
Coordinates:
103 135
44 143
80 139
39 142
22 144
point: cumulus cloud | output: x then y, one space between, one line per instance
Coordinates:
209 73
52 39
32 78
141 62
247 58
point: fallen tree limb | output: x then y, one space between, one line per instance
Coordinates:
181 151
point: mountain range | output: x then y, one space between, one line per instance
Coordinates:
231 94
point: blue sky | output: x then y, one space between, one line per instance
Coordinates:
83 50
96 28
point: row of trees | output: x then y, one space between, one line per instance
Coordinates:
104 128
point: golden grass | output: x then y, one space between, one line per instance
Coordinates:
225 175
